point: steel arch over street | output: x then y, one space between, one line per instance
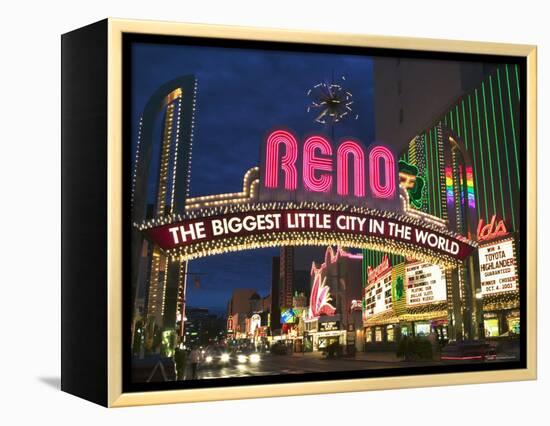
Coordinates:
216 230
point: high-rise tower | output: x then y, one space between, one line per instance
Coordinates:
160 187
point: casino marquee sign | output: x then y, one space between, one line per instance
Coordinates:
333 204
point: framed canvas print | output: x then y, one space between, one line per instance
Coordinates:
250 212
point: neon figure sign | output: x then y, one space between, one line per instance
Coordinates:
320 173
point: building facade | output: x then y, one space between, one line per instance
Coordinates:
160 187
463 170
335 284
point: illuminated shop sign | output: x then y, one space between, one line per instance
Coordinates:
342 170
320 298
378 293
497 267
329 326
356 305
425 284
288 316
491 230
374 273
255 322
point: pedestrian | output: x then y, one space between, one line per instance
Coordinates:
194 358
180 359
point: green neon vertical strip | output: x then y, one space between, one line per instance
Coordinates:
481 154
365 261
368 258
472 144
451 119
363 268
497 150
433 173
512 201
513 125
458 121
430 158
426 173
438 164
517 82
488 146
465 132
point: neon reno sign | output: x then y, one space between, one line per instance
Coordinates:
325 168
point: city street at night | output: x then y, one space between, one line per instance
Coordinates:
314 247
314 362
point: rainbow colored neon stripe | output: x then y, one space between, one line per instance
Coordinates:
461 179
449 185
470 187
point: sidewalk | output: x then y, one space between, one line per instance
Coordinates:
377 357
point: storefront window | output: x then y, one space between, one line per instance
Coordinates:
491 327
513 325
404 330
378 334
422 329
368 335
390 333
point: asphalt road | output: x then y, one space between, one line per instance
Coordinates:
299 364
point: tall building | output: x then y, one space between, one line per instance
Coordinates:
482 159
295 266
239 308
335 284
470 158
202 328
286 282
409 93
275 311
467 160
160 187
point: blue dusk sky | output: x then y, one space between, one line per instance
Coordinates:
242 95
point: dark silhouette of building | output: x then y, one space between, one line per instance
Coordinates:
203 328
275 317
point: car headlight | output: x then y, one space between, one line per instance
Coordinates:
225 358
254 358
208 358
241 358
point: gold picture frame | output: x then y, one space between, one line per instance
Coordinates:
116 28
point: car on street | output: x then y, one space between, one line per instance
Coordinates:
245 356
279 348
215 357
